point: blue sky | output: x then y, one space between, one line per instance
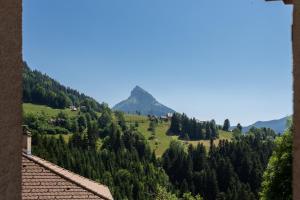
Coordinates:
210 59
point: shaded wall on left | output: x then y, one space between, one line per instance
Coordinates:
10 99
296 72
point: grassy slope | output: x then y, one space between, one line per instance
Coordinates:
162 141
135 118
160 144
223 135
50 112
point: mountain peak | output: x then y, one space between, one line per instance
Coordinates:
139 93
143 102
137 89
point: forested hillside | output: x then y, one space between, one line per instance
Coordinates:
141 157
39 88
124 162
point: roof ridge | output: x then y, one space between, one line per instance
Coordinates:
71 177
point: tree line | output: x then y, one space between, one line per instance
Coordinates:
191 129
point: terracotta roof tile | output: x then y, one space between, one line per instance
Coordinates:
44 180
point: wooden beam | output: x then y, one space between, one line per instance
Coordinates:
288 1
285 1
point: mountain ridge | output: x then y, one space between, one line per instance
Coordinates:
141 101
278 125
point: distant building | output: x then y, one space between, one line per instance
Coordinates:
164 118
170 115
73 108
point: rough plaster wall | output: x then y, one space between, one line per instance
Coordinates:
10 99
296 57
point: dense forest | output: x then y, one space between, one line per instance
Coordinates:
191 129
104 149
231 170
102 146
124 162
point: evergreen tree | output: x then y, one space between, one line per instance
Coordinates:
214 130
104 120
81 123
74 126
121 120
175 124
152 126
212 185
199 157
226 125
239 127
92 133
208 132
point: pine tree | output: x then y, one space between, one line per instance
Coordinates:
226 125
175 124
81 123
199 157
105 119
92 133
152 127
214 130
121 120
208 132
239 127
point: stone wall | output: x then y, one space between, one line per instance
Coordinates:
10 99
